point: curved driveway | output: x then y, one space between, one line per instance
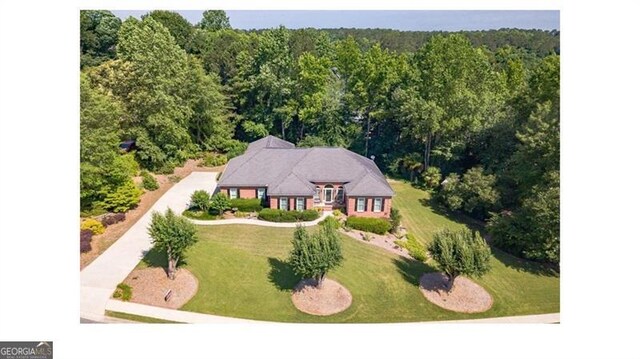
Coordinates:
99 279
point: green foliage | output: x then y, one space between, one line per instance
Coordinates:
533 231
149 182
123 292
220 202
314 255
414 247
336 213
98 36
214 160
246 204
279 215
201 200
214 20
373 225
460 253
123 198
177 25
93 225
175 178
171 233
394 219
331 221
475 193
432 177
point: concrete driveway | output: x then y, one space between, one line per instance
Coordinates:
99 279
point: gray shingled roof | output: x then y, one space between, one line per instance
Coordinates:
286 170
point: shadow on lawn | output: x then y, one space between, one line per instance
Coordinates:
282 275
411 269
523 265
157 258
456 217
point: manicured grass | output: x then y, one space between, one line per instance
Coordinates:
242 273
137 318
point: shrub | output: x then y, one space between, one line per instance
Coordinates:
366 237
246 204
123 291
460 253
201 200
278 215
415 249
374 225
149 182
332 222
432 177
220 202
85 240
93 225
336 213
112 218
309 215
174 178
214 159
123 198
394 219
474 194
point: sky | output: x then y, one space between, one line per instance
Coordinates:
425 20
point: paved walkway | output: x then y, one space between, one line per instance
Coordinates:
199 318
99 279
259 222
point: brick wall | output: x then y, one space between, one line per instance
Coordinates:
386 207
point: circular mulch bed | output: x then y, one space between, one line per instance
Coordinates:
149 286
331 299
465 296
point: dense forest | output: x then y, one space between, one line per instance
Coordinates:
472 117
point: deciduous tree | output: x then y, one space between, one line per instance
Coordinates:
173 234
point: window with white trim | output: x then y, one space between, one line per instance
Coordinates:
316 195
284 203
299 203
328 193
261 193
233 193
340 195
377 204
360 204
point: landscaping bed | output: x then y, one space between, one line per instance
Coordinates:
465 296
151 285
329 299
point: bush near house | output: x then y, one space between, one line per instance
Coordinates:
394 219
93 225
415 249
246 204
373 225
278 215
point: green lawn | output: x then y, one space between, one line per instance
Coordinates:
137 318
242 274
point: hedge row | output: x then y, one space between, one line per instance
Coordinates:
278 215
246 204
373 225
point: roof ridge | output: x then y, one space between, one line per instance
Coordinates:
250 156
368 170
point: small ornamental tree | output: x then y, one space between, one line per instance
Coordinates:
314 255
201 200
220 202
394 219
460 253
173 234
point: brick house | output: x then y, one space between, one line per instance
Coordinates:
291 178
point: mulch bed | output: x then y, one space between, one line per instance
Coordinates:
331 299
465 296
385 242
149 286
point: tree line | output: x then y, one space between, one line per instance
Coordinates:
471 116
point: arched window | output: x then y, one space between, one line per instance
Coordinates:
328 193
